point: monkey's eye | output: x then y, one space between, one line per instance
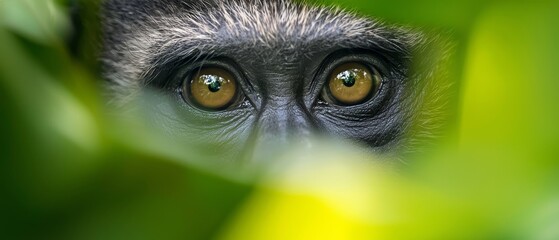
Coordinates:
211 89
352 84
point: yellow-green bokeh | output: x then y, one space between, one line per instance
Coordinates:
69 170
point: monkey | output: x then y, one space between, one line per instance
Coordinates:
240 73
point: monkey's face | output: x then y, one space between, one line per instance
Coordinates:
241 73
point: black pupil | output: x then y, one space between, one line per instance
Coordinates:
213 82
348 77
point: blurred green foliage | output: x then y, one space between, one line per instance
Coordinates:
70 171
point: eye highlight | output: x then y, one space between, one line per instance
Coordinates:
211 89
351 84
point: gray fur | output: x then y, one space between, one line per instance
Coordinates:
140 37
143 34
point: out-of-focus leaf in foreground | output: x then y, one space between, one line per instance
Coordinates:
69 170
498 182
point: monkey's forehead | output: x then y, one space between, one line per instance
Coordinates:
139 31
264 22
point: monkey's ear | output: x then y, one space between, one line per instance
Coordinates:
84 40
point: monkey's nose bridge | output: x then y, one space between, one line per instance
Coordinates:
279 127
283 121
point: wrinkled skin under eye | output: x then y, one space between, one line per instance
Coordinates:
211 89
351 84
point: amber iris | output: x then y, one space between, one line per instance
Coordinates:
353 83
212 88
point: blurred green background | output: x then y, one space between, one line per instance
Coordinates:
68 170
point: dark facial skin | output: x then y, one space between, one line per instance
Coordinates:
281 88
281 99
